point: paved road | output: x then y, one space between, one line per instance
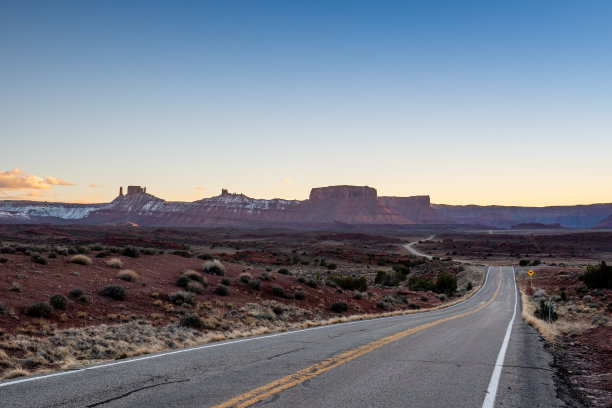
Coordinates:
444 358
416 252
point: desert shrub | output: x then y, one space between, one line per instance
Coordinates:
39 258
446 283
301 279
339 307
222 290
535 262
61 251
3 259
52 255
80 249
388 279
96 247
40 309
351 283
300 295
15 287
114 263
266 277
284 271
563 295
149 251
115 292
183 253
81 260
103 254
192 322
599 276
194 276
179 298
75 293
331 266
195 287
420 284
128 275
131 251
245 277
58 301
331 284
279 291
226 281
524 262
4 309
5 249
254 284
312 283
214 267
542 312
358 296
469 286
206 257
402 269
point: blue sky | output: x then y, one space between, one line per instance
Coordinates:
505 102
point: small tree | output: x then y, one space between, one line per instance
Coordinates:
446 283
598 276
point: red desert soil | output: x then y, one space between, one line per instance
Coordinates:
157 276
585 357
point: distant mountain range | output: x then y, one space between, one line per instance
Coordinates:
336 205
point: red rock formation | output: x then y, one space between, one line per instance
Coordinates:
417 209
346 205
136 190
607 223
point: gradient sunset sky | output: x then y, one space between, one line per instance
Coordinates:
488 102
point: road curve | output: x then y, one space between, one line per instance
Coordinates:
441 358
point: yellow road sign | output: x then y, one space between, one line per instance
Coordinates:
530 272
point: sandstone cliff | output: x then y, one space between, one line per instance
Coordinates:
346 205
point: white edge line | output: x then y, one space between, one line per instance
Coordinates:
489 401
228 342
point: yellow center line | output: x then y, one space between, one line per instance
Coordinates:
265 391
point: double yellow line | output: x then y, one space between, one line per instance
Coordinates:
265 391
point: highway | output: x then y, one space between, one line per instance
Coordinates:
478 353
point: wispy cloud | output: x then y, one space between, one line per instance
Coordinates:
286 180
95 186
200 188
17 179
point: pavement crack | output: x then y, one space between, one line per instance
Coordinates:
286 352
133 391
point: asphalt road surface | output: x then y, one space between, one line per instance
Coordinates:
478 353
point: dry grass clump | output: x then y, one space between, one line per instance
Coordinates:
128 275
553 332
214 267
190 276
195 287
115 263
245 277
81 260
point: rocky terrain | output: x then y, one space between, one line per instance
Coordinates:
336 205
56 310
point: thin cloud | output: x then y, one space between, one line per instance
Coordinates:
95 186
16 180
58 181
200 188
286 180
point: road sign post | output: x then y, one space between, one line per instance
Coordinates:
531 279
